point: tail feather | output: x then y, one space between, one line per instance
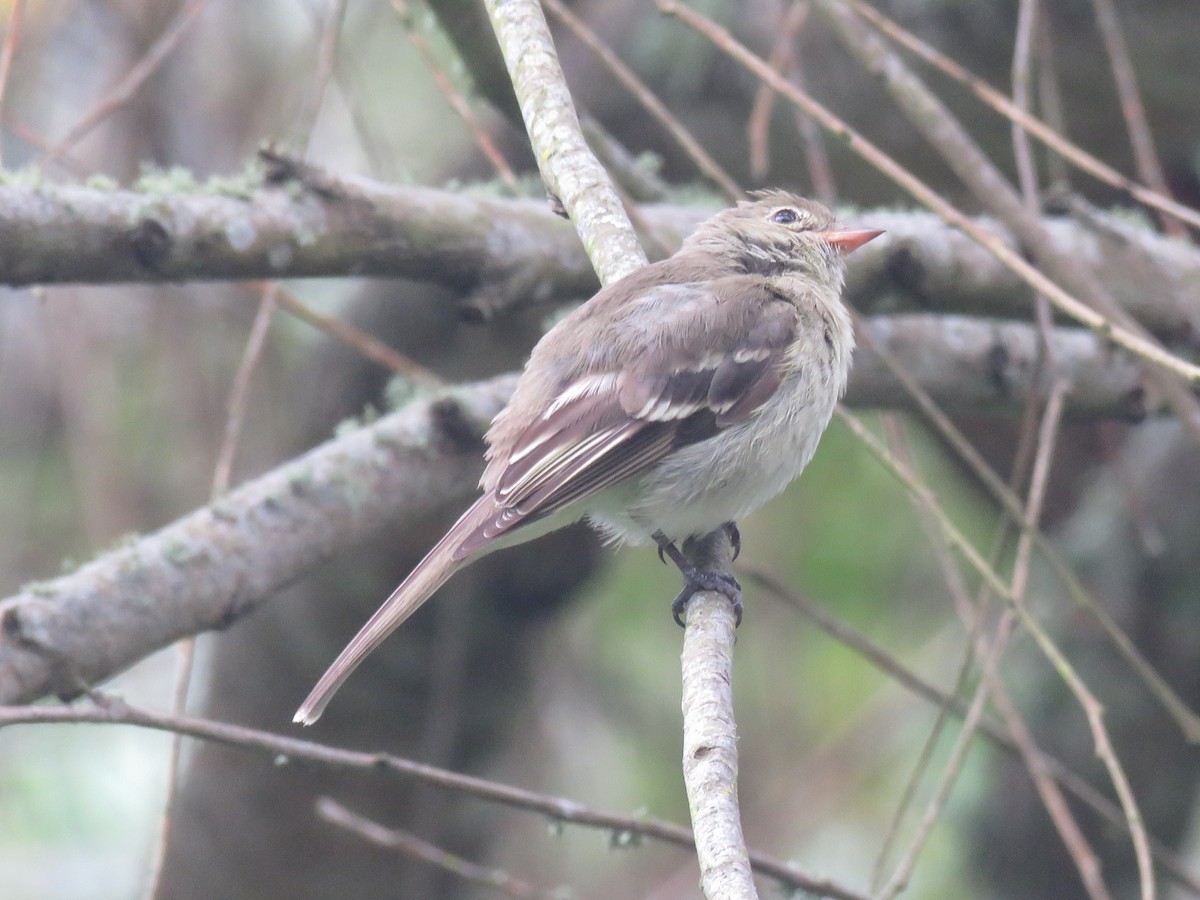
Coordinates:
430 574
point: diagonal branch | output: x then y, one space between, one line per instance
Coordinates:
569 169
209 568
286 750
216 564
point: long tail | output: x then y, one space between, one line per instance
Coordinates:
430 574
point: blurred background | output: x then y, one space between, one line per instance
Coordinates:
554 667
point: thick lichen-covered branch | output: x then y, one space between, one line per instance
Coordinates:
502 254
220 562
214 565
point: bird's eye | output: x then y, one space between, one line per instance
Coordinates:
785 216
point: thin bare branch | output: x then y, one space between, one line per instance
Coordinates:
131 83
284 750
457 101
12 36
1145 156
1012 736
647 99
409 845
1087 701
571 172
1074 154
367 345
1065 302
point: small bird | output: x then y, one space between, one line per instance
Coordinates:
672 403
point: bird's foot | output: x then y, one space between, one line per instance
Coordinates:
697 580
735 537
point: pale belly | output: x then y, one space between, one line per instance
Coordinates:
724 478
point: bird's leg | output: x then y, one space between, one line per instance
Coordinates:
698 580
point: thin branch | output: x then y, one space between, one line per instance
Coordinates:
1082 855
1145 156
572 174
12 36
1028 16
240 391
1013 736
457 102
367 345
284 750
758 123
958 756
1065 302
414 848
131 83
710 766
1072 153
326 64
1087 701
956 587
989 654
647 99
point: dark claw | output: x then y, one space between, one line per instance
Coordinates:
665 546
725 585
735 538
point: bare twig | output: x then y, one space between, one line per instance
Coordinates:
569 169
646 98
457 102
784 58
989 654
281 750
240 391
326 64
12 36
370 347
1074 154
421 851
1065 823
1012 736
758 123
1087 701
1065 302
1028 16
186 655
1145 157
131 83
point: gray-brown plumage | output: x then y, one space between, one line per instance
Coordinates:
676 400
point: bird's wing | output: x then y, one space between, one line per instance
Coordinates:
704 367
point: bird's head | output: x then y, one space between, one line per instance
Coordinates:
779 233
